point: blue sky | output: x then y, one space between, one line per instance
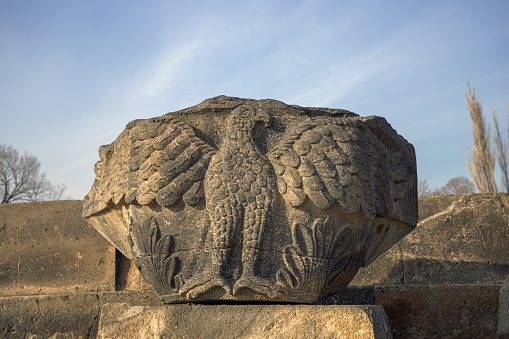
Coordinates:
74 73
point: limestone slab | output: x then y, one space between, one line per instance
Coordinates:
414 311
61 316
47 248
460 239
76 315
242 321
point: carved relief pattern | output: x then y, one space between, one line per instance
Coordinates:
340 161
154 256
239 188
318 255
331 161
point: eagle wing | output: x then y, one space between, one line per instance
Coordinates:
158 160
359 164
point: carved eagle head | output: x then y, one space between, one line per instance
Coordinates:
245 118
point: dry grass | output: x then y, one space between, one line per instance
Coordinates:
482 163
500 148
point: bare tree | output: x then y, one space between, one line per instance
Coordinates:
21 180
458 185
423 188
482 163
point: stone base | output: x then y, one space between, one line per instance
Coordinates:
414 311
120 320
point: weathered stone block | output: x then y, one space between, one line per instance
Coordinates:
242 321
352 295
440 311
388 269
414 311
503 311
459 239
62 316
45 316
47 248
129 277
243 199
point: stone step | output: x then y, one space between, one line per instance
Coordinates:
414 311
123 321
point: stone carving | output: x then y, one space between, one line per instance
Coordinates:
254 200
317 260
154 255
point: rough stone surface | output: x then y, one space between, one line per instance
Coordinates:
472 306
254 199
47 248
458 240
414 311
440 311
129 277
242 321
503 311
77 315
352 295
63 316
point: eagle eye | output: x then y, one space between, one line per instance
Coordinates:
246 114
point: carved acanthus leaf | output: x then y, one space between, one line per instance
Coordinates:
154 256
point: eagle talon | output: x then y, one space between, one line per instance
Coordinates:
259 285
203 283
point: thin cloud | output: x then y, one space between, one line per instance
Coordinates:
166 71
407 61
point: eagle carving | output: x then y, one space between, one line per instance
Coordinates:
228 171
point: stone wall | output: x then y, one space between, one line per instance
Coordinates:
458 240
47 248
442 280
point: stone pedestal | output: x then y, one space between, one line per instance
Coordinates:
119 320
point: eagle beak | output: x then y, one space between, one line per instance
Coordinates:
262 116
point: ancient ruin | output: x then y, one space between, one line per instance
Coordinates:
59 278
244 199
444 279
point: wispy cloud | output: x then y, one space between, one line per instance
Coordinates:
407 61
165 71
